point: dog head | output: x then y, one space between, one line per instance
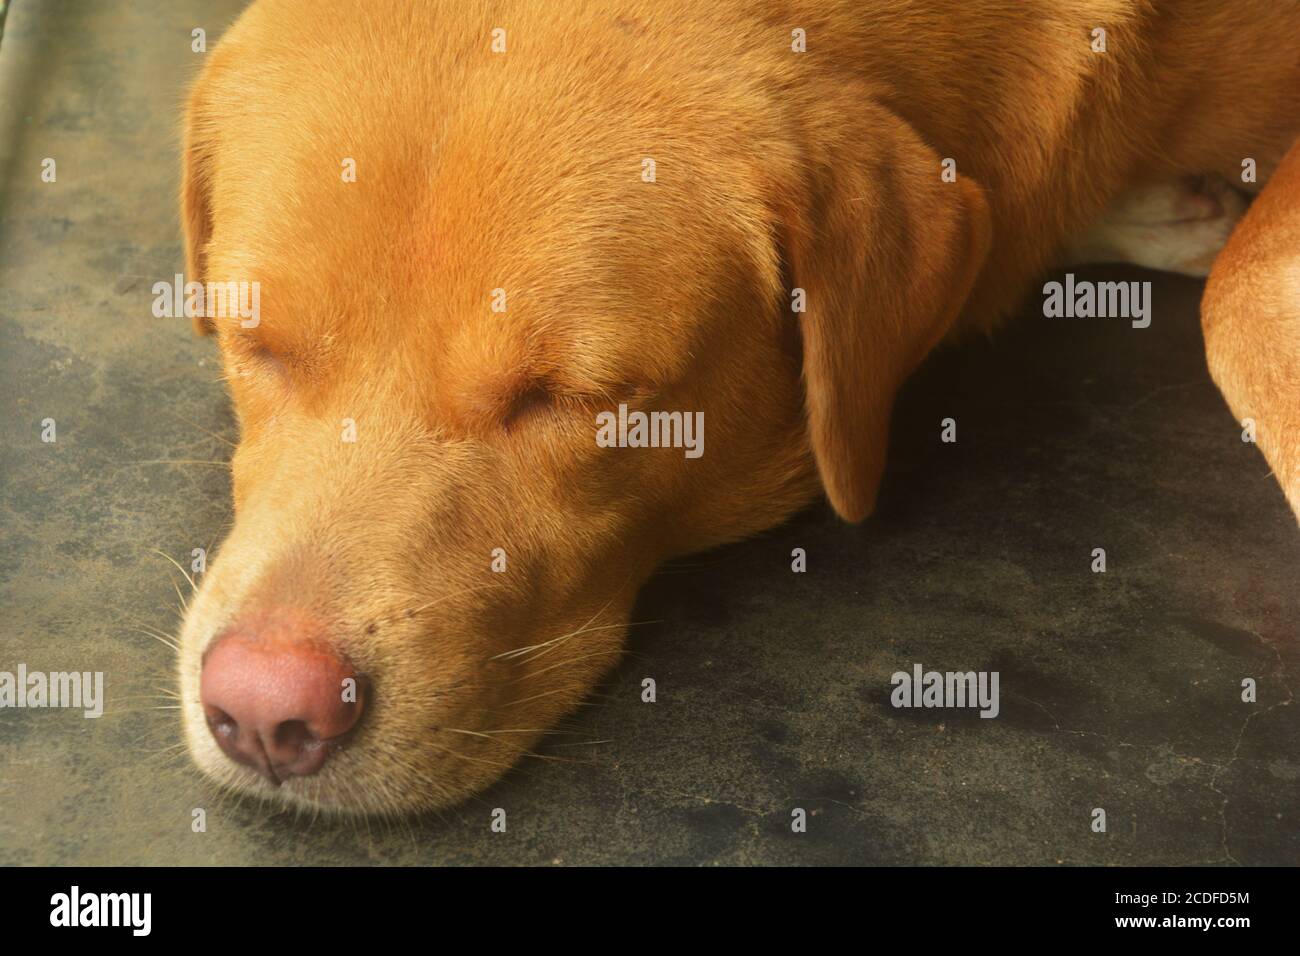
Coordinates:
466 262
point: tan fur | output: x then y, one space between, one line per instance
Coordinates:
1251 318
522 171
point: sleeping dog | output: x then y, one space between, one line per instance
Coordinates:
478 228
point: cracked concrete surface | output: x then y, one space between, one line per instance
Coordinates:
1121 690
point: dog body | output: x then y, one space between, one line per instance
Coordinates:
475 229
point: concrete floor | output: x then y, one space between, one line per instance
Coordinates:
1119 691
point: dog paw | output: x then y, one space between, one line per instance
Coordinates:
1177 226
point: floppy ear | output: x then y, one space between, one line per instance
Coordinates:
196 210
886 253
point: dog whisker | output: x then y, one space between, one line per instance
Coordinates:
524 650
205 431
610 653
547 646
548 693
584 743
494 764
160 638
179 568
491 733
411 612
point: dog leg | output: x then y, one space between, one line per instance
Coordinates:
1177 226
1251 317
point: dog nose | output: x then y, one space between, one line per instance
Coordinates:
276 704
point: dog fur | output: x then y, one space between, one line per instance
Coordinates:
521 171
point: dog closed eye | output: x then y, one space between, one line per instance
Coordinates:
251 357
534 400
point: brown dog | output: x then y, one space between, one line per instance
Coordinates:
477 228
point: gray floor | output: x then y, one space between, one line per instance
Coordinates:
1120 690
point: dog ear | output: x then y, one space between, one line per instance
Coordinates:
885 252
196 188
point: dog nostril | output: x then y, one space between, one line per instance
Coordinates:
292 736
221 723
